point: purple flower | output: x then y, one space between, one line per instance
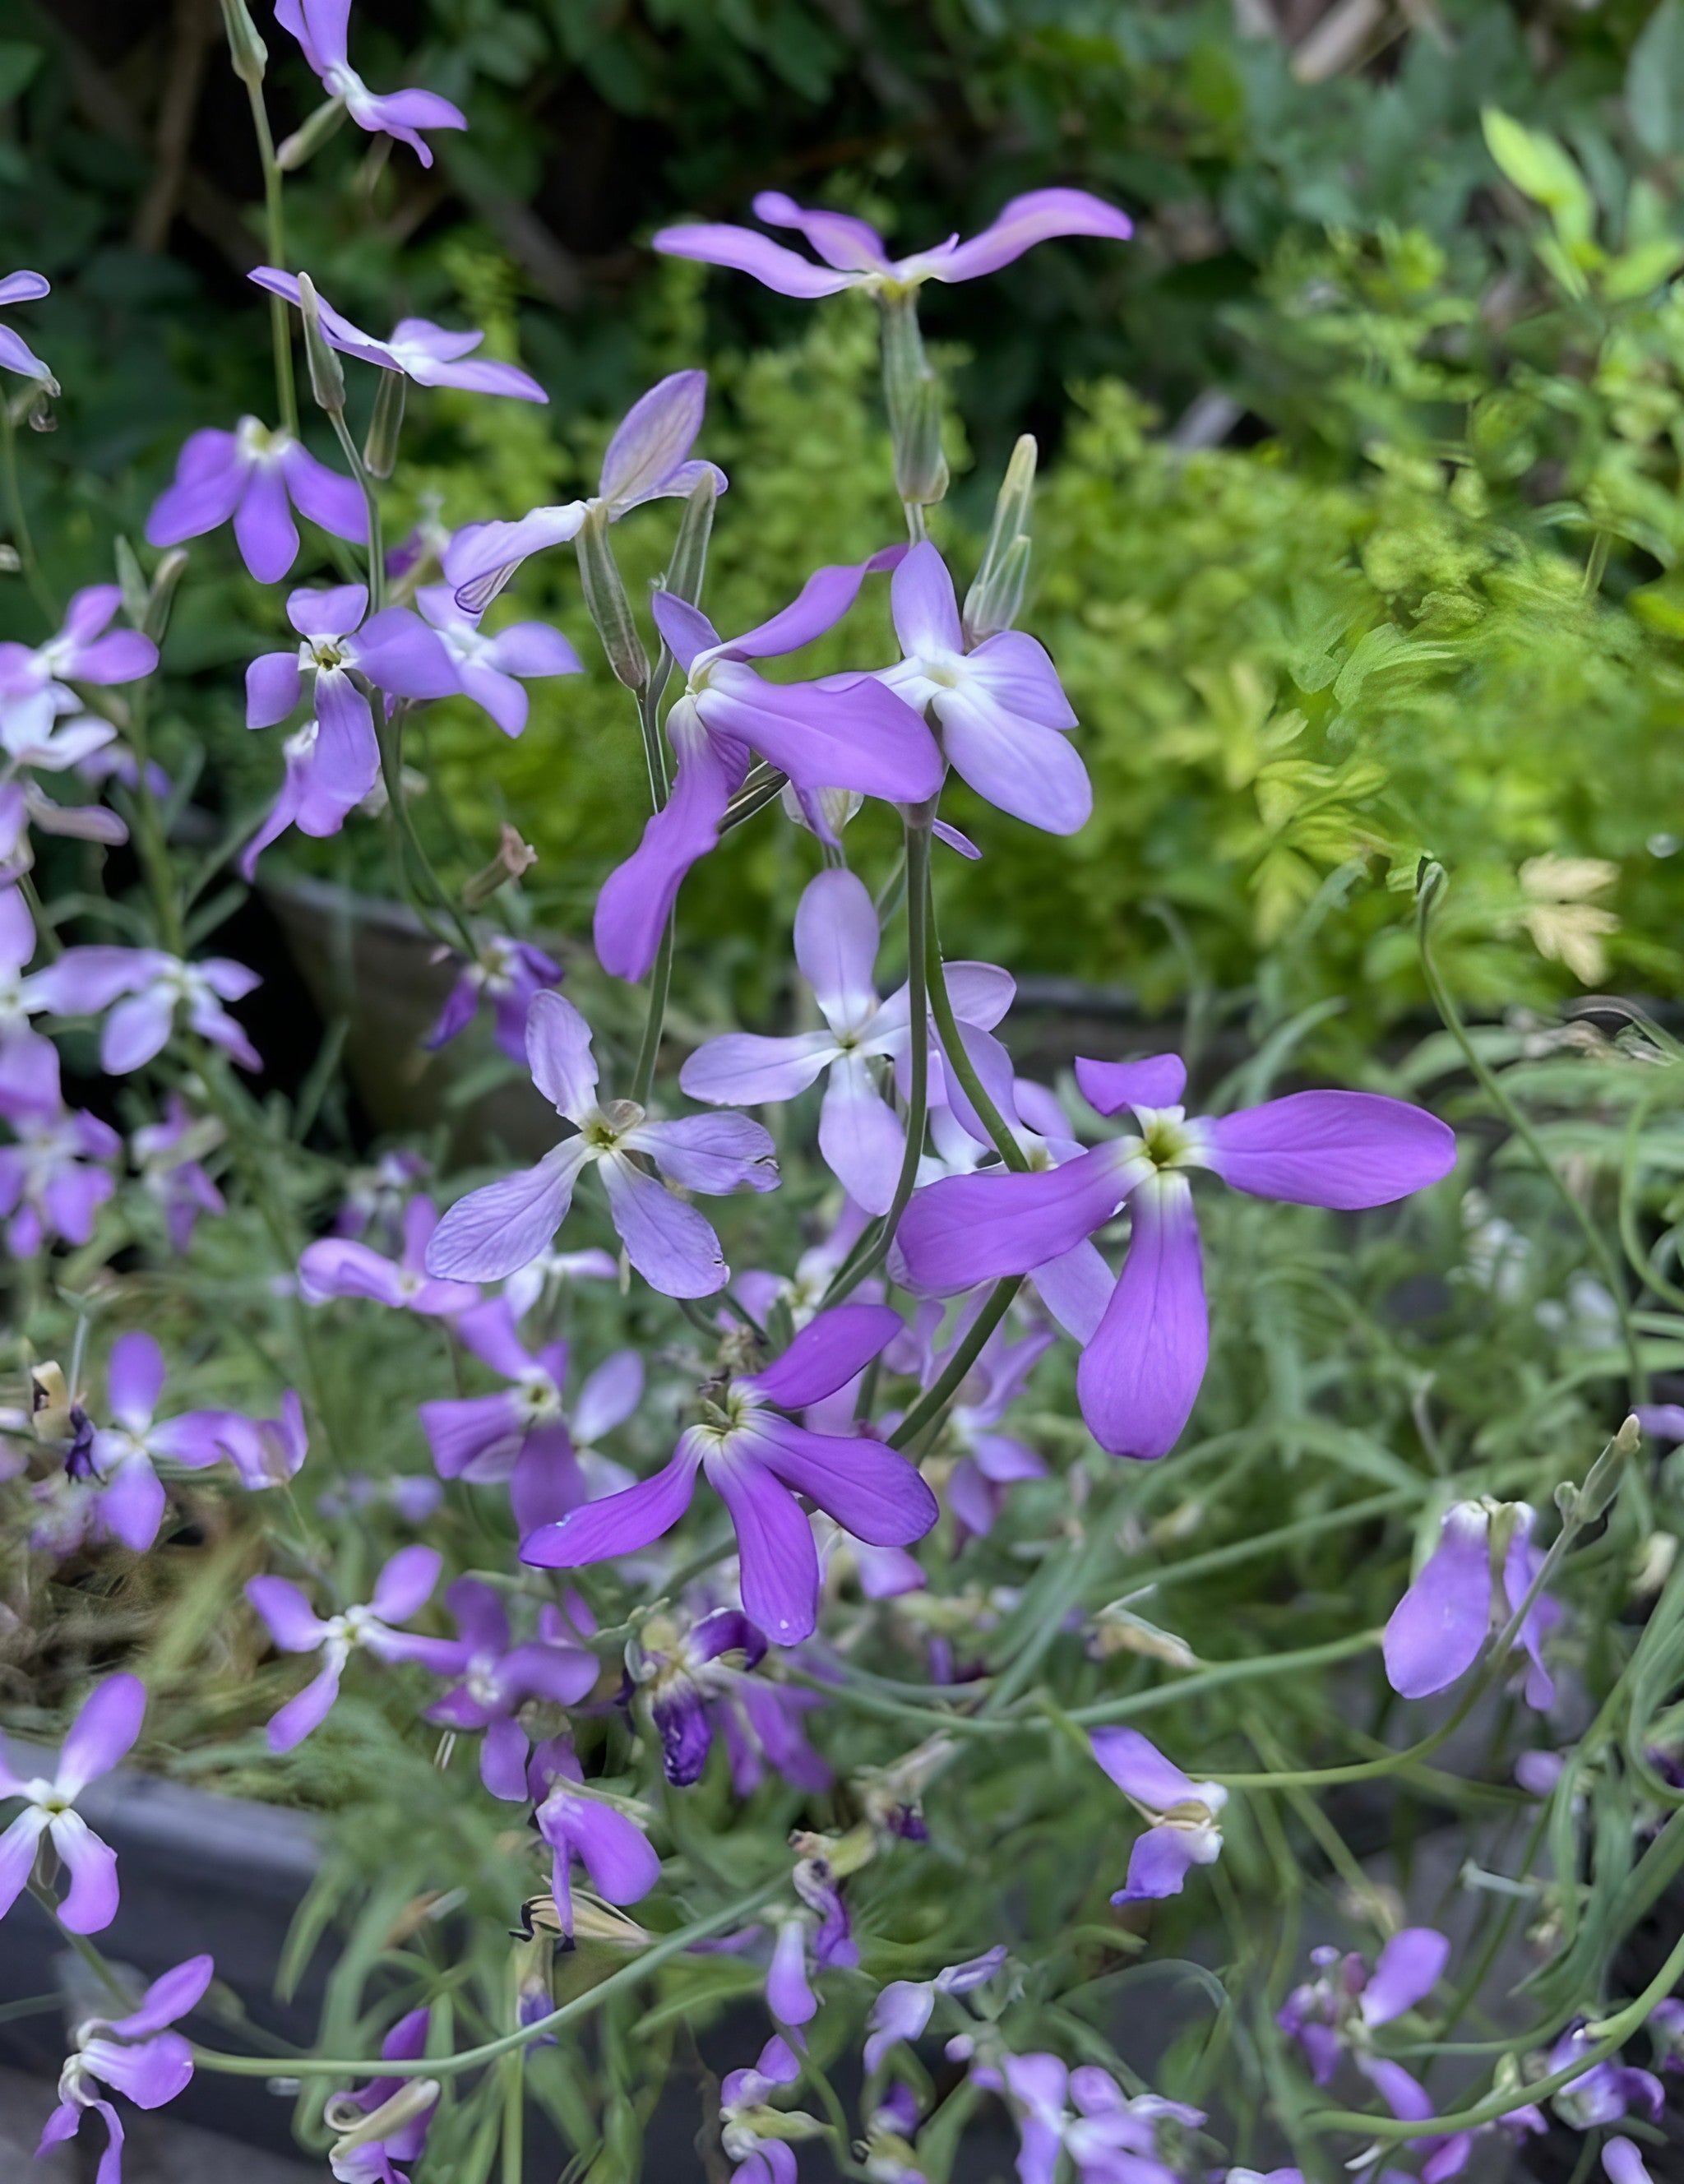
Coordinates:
402 1589
129 1500
376 1196
581 1822
758 1461
1003 716
507 973
1184 1824
169 1155
20 997
1475 1579
992 1462
393 650
548 1275
35 738
326 778
842 734
32 679
1603 2091
905 2007
1341 2008
138 2056
487 666
50 1183
15 354
258 478
1140 1373
1084 2113
340 1266
1622 2163
147 986
428 355
754 2135
322 28
264 1452
100 1736
855 256
494 1678
697 1679
495 1230
387 2121
648 458
862 1139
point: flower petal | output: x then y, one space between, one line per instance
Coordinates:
871 1491
308 1709
1407 1969
619 1524
715 1154
926 611
971 1228
671 1246
90 1904
102 1733
501 1228
825 1355
860 1136
1140 1770
653 438
134 1379
1345 1150
1158 1865
405 1585
746 1067
559 1055
717 244
1139 1378
778 1560
860 736
836 944
1156 1080
1033 773
638 896
1438 1627
1037 216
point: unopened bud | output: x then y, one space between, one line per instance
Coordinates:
1602 1483
246 50
1652 1563
130 582
305 142
412 2098
161 595
1430 881
514 857
688 565
993 600
913 396
380 449
326 378
606 603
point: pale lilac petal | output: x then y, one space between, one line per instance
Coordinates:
1033 773
481 557
337 329
836 944
862 737
398 651
619 1524
1076 1288
825 1355
653 438
616 1854
273 685
818 606
16 355
330 611
1140 1770
489 1332
123 656
1158 1865
849 244
168 1999
497 1230
926 611
1022 678
1438 1627
744 1068
23 286
559 1055
347 760
774 267
789 1991
871 1491
136 1030
671 1246
405 1585
1156 1080
134 1379
334 502
638 896
861 1138
340 1266
102 1733
715 1154
263 529
211 476
778 1560
91 1903
132 1505
609 1396
972 1229
308 1710
1341 1149
1139 1378
1622 2163
149 2072
291 1622
18 1848
685 630
532 649
900 2012
1407 1969
1404 2095
1038 216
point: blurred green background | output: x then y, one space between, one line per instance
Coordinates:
1360 504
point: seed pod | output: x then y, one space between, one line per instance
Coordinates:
913 396
326 379
606 603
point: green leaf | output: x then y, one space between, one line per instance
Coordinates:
1635 272
1542 170
1654 82
18 65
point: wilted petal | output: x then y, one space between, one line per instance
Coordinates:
1438 1627
1140 1377
481 557
1345 1150
653 438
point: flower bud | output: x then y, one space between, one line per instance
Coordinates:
913 396
305 142
326 379
606 603
161 595
412 2098
246 50
993 601
380 449
514 857
130 582
688 565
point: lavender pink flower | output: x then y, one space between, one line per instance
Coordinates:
1469 1588
15 353
491 667
139 2055
129 1500
1339 2011
400 1591
495 1230
257 477
322 28
53 1179
844 732
758 1460
343 1266
1184 1817
855 256
428 355
143 987
1084 2115
100 1736
33 679
905 2007
507 973
1003 715
863 1141
1140 1372
648 458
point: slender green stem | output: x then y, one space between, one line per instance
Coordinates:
953 1046
22 537
370 493
931 1406
649 725
406 841
274 226
1219 1672
872 1249
735 1914
514 2118
1596 1243
155 848
660 982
